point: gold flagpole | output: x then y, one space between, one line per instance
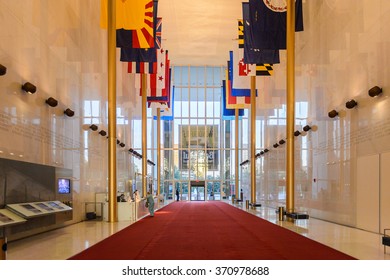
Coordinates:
144 136
253 140
236 111
111 41
290 105
158 150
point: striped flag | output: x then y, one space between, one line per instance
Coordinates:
134 15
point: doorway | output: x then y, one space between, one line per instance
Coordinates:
197 191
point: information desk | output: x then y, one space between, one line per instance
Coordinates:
8 218
126 211
35 209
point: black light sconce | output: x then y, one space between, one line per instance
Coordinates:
276 145
3 70
122 145
131 150
375 91
306 128
266 150
262 153
117 142
29 88
93 127
281 142
69 112
332 114
351 104
297 133
102 132
51 102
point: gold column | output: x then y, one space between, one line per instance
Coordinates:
290 105
253 140
158 150
111 35
236 111
144 137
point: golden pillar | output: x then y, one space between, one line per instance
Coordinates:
236 111
158 150
144 137
290 105
253 140
111 39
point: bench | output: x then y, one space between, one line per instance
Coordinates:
297 216
386 239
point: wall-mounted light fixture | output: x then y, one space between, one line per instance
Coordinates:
122 145
276 145
131 150
374 91
93 127
266 150
281 142
3 70
332 114
51 102
297 133
306 128
68 112
102 132
29 88
351 104
262 153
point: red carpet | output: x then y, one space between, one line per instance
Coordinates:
207 231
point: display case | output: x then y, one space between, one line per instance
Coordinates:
8 218
35 209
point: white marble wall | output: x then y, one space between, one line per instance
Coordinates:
343 52
59 47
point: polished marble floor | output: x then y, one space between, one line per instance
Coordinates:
63 243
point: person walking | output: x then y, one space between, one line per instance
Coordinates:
150 203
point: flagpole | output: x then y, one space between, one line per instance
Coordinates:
158 150
111 55
236 111
253 140
144 136
290 105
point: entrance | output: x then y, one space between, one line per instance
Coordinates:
197 191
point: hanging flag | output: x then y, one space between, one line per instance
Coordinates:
157 80
228 114
134 15
267 21
166 109
240 84
138 55
235 102
253 55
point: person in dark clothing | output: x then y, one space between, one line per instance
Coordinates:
177 194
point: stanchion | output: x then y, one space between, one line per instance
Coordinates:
281 213
3 246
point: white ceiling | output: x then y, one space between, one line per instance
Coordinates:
199 32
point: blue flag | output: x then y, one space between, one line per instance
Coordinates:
268 23
228 114
253 55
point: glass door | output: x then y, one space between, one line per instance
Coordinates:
197 193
